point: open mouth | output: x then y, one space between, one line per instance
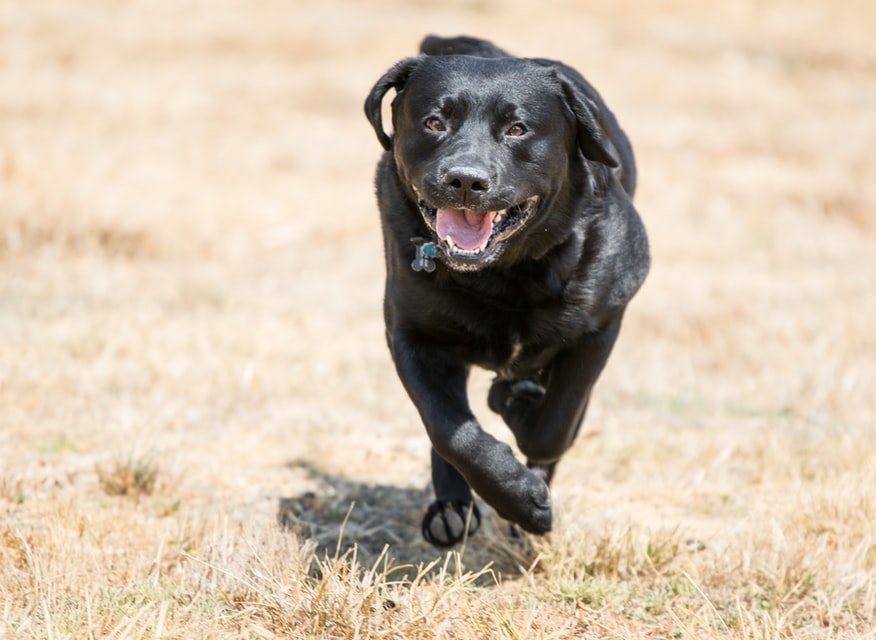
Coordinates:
475 235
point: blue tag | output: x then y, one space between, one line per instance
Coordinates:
426 251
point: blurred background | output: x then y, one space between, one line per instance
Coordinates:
191 264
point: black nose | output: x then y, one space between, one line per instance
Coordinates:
467 178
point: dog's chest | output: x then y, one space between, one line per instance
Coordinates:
514 364
502 351
516 344
516 351
512 322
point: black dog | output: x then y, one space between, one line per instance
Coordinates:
512 244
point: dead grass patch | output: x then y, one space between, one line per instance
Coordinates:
66 238
185 575
132 477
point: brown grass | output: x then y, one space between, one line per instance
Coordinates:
133 477
190 265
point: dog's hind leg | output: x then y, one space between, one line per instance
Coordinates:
453 515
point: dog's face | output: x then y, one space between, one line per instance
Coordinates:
484 147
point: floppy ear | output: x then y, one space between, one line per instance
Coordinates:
395 78
590 135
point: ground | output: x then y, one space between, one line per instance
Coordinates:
201 432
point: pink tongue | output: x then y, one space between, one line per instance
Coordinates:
469 229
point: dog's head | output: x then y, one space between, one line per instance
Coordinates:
484 146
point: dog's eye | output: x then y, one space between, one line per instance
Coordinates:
516 130
434 123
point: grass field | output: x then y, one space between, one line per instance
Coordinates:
201 432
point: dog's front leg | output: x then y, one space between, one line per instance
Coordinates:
545 419
435 379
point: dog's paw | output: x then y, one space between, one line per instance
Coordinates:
445 520
539 518
532 510
506 393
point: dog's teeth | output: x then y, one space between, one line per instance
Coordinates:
450 242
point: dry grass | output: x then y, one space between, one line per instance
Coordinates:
190 266
133 477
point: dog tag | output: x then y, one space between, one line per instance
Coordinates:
426 252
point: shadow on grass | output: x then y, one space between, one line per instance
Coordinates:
343 514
